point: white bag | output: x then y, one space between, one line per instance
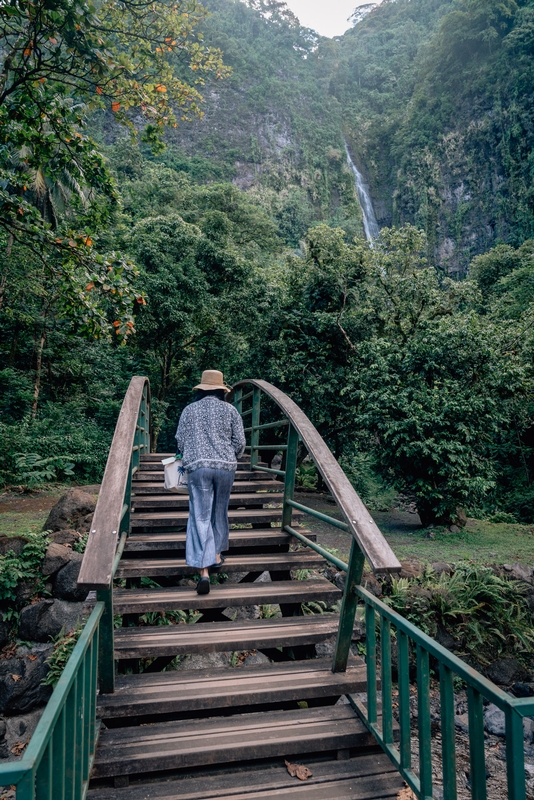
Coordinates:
175 475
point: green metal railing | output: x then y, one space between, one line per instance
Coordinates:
57 763
410 641
393 732
59 757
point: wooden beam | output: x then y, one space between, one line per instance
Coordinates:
97 564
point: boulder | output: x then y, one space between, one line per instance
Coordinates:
56 556
242 612
71 511
461 722
65 583
42 620
85 524
21 679
441 567
15 732
5 627
519 572
372 585
506 671
25 591
205 661
494 720
445 639
254 659
66 537
495 723
14 543
411 569
460 517
327 647
340 579
521 689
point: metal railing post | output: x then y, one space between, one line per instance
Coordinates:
238 403
348 609
255 434
291 471
515 754
106 643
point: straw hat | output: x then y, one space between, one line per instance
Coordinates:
212 379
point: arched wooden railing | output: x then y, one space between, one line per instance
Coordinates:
367 539
111 520
358 520
393 629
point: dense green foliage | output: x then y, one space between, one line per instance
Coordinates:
488 615
416 380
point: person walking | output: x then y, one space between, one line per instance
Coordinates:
211 438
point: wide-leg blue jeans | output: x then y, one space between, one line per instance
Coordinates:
207 526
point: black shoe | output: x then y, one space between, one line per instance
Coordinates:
203 586
218 564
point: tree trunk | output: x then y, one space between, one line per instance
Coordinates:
38 370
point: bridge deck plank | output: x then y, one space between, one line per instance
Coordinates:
239 537
187 743
368 777
210 637
174 692
131 601
298 559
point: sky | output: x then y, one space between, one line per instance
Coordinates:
327 17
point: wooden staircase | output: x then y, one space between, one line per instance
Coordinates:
225 732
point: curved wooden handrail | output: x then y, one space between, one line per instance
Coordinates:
361 524
97 565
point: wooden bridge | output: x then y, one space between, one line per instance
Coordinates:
125 724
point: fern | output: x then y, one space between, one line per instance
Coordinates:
63 646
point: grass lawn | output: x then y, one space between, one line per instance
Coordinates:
480 541
25 513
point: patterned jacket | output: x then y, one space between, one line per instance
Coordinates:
210 435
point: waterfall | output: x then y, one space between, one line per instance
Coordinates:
370 225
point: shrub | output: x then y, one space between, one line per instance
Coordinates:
487 614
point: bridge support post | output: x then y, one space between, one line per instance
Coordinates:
255 434
348 609
291 470
238 402
106 645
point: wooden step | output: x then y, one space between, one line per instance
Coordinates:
179 744
160 456
298 559
157 466
212 637
238 487
369 776
153 519
138 601
170 500
241 475
239 537
195 690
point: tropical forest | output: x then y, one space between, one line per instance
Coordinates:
191 185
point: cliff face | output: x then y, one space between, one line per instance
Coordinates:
273 128
437 103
